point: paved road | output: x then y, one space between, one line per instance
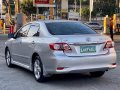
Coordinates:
20 79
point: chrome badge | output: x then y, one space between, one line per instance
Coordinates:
88 39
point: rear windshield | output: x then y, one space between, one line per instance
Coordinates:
68 28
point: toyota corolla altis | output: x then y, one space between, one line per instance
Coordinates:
58 47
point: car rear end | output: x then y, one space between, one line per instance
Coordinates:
80 50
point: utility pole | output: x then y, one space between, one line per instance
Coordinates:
80 10
1 7
37 12
8 6
118 3
75 5
17 6
51 10
56 3
91 9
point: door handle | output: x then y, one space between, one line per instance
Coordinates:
33 42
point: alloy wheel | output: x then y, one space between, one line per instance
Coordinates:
37 69
8 58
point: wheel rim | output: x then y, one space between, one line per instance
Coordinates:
8 58
37 69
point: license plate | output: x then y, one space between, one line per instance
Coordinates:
87 49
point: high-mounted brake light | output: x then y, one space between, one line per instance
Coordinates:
108 44
60 46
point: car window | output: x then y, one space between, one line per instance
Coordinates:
34 30
93 24
23 31
68 28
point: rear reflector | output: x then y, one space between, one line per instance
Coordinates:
113 63
60 68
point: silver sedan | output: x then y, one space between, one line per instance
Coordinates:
58 47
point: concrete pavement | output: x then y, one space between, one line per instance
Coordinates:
117 38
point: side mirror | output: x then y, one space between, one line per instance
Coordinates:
11 35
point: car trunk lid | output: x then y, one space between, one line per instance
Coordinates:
85 45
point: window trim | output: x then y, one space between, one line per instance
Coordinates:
21 29
38 29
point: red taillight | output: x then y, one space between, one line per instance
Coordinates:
108 44
55 46
60 46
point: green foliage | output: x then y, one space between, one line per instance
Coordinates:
101 7
27 7
94 13
105 7
84 2
85 12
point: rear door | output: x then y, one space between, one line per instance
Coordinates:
28 43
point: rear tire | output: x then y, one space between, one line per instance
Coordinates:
97 73
38 69
8 58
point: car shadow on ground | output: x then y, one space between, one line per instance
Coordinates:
63 79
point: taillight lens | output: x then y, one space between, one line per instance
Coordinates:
109 44
60 46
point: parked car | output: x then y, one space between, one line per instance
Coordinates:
94 25
58 47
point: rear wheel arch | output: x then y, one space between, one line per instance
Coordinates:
6 48
33 57
42 63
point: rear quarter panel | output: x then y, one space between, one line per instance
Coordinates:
45 53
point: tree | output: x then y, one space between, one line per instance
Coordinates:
84 2
85 12
105 7
27 7
101 7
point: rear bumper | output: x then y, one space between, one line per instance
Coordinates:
64 64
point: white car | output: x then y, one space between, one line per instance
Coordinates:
58 47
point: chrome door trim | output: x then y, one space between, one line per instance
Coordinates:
21 65
76 44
